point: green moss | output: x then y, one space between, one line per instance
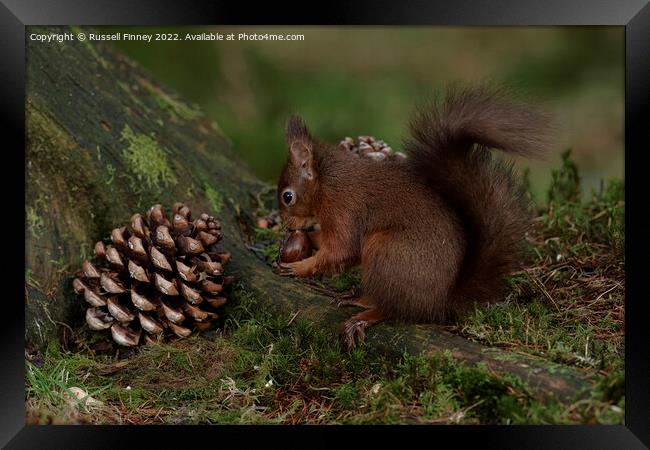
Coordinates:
271 252
265 368
439 402
347 280
110 170
343 282
347 395
30 280
215 198
35 223
146 159
271 249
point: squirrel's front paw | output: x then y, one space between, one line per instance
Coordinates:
304 268
285 270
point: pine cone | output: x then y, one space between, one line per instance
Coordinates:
159 277
369 147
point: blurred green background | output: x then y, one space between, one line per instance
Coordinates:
347 81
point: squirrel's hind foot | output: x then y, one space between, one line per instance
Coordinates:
353 332
354 329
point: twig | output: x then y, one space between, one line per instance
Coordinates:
599 297
293 317
543 289
608 290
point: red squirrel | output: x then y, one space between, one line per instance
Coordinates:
435 232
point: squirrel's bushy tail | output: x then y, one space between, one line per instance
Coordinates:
449 147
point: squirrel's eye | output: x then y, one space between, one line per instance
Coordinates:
287 197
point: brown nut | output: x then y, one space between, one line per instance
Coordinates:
296 246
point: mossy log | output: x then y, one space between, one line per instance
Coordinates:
105 140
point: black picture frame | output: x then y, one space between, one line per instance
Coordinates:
634 15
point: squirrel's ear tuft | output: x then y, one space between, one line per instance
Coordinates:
300 155
300 146
296 130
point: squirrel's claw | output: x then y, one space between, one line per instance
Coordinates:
304 268
338 302
353 333
285 270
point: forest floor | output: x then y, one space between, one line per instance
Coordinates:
566 306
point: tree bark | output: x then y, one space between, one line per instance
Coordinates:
105 140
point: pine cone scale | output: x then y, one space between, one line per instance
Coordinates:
113 257
138 272
90 271
141 302
120 312
149 324
110 285
137 247
159 260
93 298
98 319
173 314
190 294
186 272
165 286
125 336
